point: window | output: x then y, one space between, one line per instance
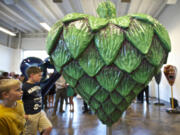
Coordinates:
42 54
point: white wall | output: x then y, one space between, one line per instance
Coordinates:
10 58
7 57
3 39
170 18
33 43
18 57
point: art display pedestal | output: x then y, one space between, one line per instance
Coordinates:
159 103
172 109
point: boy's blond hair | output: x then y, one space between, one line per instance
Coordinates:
33 70
7 84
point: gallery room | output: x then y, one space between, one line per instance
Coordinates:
89 67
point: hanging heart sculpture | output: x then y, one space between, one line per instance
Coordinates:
158 77
170 72
108 60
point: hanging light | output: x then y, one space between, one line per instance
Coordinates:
7 31
46 26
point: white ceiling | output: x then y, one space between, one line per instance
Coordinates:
25 15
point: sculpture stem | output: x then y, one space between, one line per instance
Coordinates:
106 9
108 130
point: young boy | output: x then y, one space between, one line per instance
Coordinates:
37 119
12 118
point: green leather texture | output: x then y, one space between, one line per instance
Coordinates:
108 60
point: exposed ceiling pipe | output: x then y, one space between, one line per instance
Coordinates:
7 19
10 2
14 14
27 12
54 6
160 9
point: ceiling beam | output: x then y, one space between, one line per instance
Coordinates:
155 4
80 6
9 20
143 8
14 14
9 25
10 2
61 8
55 8
24 9
47 9
40 11
122 8
134 5
76 7
159 10
6 25
65 7
35 35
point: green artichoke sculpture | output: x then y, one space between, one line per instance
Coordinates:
108 60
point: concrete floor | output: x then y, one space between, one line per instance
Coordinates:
139 119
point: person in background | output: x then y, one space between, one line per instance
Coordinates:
85 107
22 78
37 119
5 75
140 97
51 93
16 76
70 94
12 116
11 74
60 94
49 98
